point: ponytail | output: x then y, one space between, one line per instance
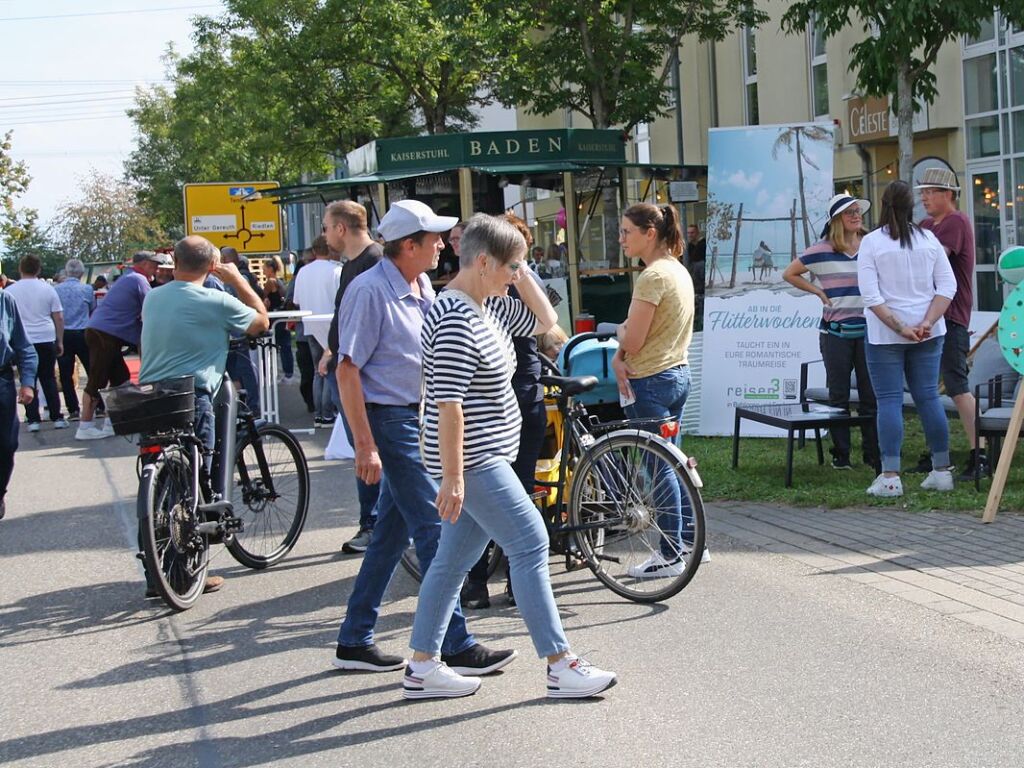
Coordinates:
669 231
664 220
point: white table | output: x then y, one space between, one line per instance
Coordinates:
267 367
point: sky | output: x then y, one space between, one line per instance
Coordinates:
743 171
68 70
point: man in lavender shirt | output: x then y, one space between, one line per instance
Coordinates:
379 371
116 322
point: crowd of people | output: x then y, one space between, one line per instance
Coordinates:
440 394
896 312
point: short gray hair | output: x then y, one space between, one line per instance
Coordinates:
490 235
195 254
74 268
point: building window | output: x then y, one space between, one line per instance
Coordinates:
819 72
643 143
750 76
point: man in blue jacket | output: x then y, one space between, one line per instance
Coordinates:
15 352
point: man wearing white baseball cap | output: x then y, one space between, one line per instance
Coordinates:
379 377
939 190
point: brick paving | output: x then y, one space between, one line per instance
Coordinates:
948 562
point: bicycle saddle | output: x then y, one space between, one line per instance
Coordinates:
570 385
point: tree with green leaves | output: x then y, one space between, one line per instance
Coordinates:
902 41
16 223
610 61
793 139
106 222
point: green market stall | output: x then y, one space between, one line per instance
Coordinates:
565 173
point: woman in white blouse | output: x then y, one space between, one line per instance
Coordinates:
907 284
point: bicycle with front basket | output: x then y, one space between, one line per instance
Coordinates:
183 510
612 501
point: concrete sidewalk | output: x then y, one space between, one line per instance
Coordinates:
948 562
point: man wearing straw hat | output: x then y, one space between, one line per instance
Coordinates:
939 188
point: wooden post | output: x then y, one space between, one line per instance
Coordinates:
466 193
995 493
792 220
736 246
569 197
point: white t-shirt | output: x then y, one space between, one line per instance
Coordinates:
36 302
316 286
904 279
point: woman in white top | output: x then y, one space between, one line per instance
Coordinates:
907 284
470 439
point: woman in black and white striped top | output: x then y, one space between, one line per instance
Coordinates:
470 439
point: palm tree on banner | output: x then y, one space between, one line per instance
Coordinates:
787 139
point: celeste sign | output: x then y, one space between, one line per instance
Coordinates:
492 149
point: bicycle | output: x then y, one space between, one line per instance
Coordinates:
611 494
183 509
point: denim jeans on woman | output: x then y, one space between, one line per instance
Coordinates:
918 364
405 509
660 396
495 507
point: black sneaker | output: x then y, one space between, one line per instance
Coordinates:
478 660
510 594
977 458
366 658
358 543
841 463
474 595
327 422
924 464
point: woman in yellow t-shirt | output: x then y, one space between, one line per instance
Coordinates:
651 363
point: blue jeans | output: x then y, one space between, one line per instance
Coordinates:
324 395
888 365
495 507
368 494
240 368
405 508
283 340
8 430
660 396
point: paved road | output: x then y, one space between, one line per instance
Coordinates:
784 651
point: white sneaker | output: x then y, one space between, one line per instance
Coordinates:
89 432
938 480
439 683
578 679
60 424
886 487
656 567
108 428
705 556
34 426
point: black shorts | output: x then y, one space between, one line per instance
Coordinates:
106 361
954 359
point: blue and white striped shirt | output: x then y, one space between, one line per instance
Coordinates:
468 359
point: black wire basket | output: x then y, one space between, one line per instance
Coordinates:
146 408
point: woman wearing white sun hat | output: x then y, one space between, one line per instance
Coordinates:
833 261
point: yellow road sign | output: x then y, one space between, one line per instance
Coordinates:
222 214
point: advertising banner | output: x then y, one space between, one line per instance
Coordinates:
768 189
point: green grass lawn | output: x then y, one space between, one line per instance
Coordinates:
761 475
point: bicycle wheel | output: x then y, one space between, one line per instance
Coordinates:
411 562
271 496
176 555
630 499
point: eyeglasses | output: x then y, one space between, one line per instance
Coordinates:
624 232
851 212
